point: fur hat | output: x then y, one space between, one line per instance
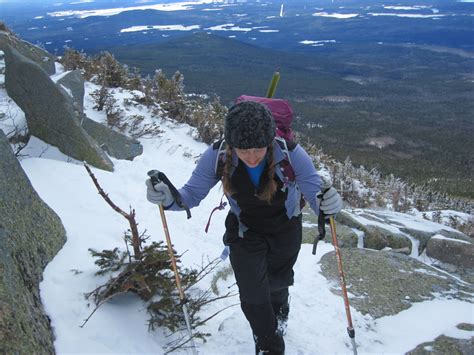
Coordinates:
249 124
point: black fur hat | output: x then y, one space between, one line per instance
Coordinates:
249 124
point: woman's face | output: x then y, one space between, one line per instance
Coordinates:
251 157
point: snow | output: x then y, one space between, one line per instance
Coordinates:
229 27
317 323
406 8
401 219
335 15
439 236
160 28
176 6
405 15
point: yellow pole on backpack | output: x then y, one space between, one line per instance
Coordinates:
273 84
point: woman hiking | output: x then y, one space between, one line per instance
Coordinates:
264 224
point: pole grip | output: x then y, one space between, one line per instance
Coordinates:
157 176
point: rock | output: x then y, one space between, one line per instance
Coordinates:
346 236
30 235
377 235
73 81
114 143
395 230
454 252
385 283
49 112
30 51
445 345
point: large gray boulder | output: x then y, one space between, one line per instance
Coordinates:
114 143
385 283
49 111
377 235
30 51
455 252
73 82
30 235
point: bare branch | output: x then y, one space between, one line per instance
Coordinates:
130 217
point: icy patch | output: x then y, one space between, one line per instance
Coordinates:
160 28
405 15
360 238
335 15
439 236
229 27
177 6
317 43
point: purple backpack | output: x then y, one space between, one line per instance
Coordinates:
281 111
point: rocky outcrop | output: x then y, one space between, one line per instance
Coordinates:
377 235
395 230
114 143
34 53
385 283
49 111
346 236
445 345
455 252
30 235
73 82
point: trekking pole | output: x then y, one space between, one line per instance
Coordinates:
273 84
350 328
325 186
157 177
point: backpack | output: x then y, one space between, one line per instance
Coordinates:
283 115
281 111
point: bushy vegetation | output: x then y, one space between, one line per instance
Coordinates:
362 188
153 273
164 96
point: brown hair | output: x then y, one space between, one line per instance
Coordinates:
270 186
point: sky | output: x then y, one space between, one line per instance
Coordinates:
317 322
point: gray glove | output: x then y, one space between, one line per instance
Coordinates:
330 203
159 194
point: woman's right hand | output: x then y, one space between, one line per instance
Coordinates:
159 194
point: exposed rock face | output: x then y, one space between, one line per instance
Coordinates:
454 252
34 53
30 235
114 143
73 81
378 235
445 345
385 283
398 231
49 110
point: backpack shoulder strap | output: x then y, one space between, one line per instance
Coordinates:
286 147
221 147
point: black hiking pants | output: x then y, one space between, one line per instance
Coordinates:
263 267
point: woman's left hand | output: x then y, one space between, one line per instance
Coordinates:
329 202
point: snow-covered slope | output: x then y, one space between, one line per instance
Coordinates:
317 323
